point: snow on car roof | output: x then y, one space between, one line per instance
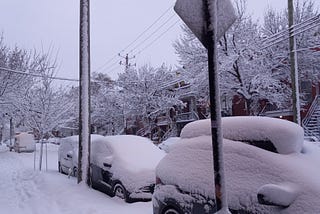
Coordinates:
24 136
134 152
74 140
167 144
133 159
286 136
247 168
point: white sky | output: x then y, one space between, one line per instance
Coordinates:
114 24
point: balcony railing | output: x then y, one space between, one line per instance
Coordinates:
163 120
188 116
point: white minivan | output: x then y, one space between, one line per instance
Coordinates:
24 142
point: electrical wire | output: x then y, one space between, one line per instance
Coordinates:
141 34
41 76
155 31
37 75
136 39
157 38
106 63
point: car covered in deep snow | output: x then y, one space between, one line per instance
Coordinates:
268 169
124 166
24 142
68 154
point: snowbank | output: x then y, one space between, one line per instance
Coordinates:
287 137
25 191
3 147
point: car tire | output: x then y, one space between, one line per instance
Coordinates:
75 172
90 184
59 167
171 210
120 191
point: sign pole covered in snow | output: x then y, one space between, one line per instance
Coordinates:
84 110
209 20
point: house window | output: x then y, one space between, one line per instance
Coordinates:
306 91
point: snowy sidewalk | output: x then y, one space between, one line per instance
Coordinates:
25 191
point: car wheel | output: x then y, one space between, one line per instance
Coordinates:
171 211
90 179
75 172
120 191
59 167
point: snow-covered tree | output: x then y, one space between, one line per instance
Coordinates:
14 63
43 107
278 52
145 94
106 105
242 67
13 83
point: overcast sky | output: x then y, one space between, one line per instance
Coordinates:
115 24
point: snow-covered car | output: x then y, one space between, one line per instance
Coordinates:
167 144
283 179
124 166
24 142
68 154
54 140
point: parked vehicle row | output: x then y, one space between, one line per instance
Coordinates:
268 168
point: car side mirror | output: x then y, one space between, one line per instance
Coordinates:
107 165
69 155
107 161
281 195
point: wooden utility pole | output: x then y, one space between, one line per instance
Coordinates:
84 110
293 66
126 63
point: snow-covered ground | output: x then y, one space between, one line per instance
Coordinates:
26 191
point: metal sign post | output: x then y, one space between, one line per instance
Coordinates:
202 17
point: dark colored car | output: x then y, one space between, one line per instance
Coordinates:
284 180
124 166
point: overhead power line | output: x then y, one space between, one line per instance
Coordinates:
148 28
37 75
41 76
135 40
295 29
155 31
106 63
157 38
